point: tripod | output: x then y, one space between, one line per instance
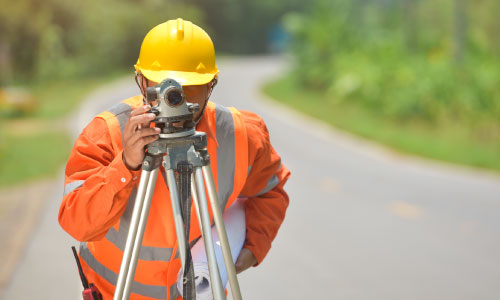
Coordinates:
186 153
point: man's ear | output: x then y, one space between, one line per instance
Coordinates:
139 79
211 86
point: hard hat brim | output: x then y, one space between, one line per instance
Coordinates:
184 78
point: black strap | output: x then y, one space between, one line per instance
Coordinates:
85 283
184 184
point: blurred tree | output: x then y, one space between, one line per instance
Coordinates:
243 26
459 30
22 25
399 60
5 63
484 26
59 38
409 17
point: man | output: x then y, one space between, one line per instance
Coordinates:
104 166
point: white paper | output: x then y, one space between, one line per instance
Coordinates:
234 220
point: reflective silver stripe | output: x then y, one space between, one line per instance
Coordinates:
69 187
118 238
174 292
226 156
152 291
122 113
225 173
147 253
191 245
271 184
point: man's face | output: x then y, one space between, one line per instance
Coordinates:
194 94
197 94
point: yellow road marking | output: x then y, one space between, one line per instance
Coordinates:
329 185
468 227
406 210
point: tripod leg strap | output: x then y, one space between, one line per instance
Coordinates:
184 185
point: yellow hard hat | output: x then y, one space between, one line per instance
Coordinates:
179 50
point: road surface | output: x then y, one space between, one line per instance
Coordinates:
364 222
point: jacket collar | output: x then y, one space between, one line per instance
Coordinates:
203 125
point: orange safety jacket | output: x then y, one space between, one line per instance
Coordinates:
99 196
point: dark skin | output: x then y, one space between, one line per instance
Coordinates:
137 134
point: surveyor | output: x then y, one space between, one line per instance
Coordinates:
102 172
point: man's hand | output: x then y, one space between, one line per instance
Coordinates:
245 260
136 135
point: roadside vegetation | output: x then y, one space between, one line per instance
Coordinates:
67 48
51 63
420 77
33 138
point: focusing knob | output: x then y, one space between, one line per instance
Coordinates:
151 94
154 110
194 107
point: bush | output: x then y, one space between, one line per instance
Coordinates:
75 38
401 64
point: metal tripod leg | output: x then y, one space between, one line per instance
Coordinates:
221 231
215 280
140 231
200 198
178 221
138 220
193 150
194 194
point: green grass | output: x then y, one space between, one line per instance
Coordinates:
448 142
41 147
33 156
58 98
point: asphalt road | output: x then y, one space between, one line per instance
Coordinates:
364 222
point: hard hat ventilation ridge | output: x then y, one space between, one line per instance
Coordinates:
180 29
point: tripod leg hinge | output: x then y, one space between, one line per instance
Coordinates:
205 157
151 162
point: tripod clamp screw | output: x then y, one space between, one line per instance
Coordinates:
205 157
151 162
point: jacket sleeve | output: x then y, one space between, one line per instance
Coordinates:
97 184
267 200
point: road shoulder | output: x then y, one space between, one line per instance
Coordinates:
20 213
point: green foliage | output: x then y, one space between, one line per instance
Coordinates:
418 88
242 26
51 39
406 61
59 38
58 98
16 103
452 141
35 145
420 75
28 157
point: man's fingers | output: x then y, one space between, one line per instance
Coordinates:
148 131
238 267
241 266
148 139
245 260
143 119
140 110
144 132
240 263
